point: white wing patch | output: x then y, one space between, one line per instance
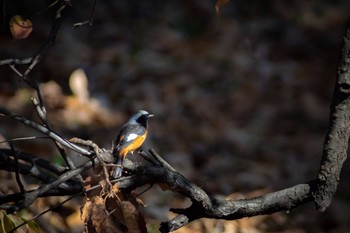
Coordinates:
131 136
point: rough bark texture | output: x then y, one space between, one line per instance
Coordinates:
337 139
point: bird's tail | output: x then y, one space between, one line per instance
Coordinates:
119 170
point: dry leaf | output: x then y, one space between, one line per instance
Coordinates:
20 28
110 210
133 219
219 4
96 217
126 211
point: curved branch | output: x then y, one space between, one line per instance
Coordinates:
337 139
5 156
30 197
66 183
204 206
15 61
283 200
50 40
43 129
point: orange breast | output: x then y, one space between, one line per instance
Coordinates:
134 145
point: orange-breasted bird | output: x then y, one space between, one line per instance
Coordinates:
130 138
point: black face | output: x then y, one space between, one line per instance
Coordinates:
143 119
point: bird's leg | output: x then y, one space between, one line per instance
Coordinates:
135 158
120 164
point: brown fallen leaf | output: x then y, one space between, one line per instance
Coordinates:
20 28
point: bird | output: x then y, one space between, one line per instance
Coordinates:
130 138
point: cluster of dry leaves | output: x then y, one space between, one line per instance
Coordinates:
108 210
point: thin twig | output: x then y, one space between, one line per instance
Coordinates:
43 129
90 20
40 108
41 111
161 160
28 158
25 139
14 61
98 152
30 197
148 158
56 206
18 179
51 39
16 71
44 212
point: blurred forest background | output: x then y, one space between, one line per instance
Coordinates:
241 99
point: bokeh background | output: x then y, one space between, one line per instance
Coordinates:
241 99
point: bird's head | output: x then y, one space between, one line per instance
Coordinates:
141 117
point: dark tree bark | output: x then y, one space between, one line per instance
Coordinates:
337 139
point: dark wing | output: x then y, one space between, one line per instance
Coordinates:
121 140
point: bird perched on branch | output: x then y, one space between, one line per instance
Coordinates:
130 138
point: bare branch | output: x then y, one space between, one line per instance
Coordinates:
90 20
55 207
26 164
24 139
18 179
283 200
30 197
41 111
40 108
51 39
13 67
5 155
337 139
204 206
14 61
44 212
67 183
43 129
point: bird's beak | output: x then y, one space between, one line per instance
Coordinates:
150 115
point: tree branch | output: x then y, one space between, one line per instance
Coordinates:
90 20
15 61
204 206
30 197
43 129
40 169
337 139
51 39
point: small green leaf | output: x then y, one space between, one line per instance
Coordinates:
8 223
34 226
